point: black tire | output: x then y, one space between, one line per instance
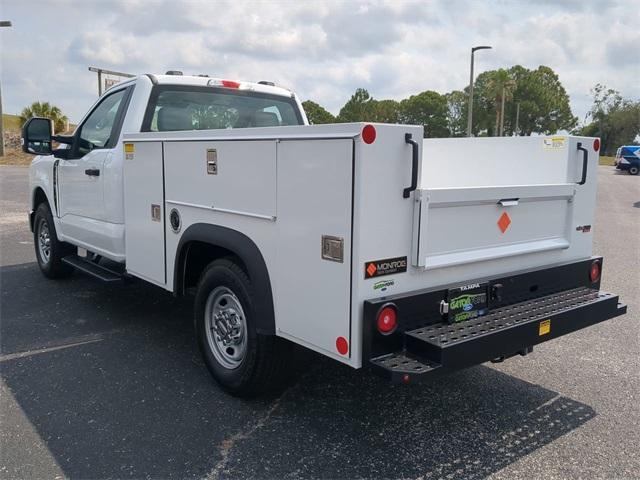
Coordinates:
51 266
634 170
263 366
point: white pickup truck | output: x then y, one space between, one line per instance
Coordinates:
363 242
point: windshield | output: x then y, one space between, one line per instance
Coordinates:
174 108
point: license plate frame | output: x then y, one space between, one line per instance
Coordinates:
467 302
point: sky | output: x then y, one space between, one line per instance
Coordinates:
323 50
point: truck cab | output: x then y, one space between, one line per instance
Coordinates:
84 177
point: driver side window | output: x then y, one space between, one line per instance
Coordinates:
97 129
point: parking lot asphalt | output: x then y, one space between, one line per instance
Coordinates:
102 381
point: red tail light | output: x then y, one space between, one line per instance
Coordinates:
369 134
387 320
230 84
596 144
595 271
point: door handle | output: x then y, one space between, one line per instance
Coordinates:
92 172
414 165
585 163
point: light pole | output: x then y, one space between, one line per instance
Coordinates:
3 23
470 116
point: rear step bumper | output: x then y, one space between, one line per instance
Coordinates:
443 347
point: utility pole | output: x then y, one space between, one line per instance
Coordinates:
502 114
3 23
517 119
470 115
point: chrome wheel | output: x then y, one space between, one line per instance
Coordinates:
44 240
226 327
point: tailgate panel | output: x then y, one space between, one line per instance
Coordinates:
455 226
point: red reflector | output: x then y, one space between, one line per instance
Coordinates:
596 144
230 84
594 272
369 134
342 345
387 319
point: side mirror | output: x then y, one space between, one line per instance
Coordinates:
36 136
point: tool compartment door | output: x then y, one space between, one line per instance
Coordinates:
144 211
312 293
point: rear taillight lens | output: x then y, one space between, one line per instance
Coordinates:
369 134
596 144
387 320
595 271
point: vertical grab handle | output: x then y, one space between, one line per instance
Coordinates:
408 138
585 160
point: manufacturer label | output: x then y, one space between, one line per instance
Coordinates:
382 285
129 150
544 328
388 266
554 143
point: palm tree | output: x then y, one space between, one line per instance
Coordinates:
45 109
500 87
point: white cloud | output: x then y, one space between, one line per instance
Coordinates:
321 49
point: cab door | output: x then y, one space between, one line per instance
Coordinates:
82 175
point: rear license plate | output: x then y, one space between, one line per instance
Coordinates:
467 301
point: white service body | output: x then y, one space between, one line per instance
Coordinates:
287 187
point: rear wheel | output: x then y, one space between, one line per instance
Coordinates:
242 361
634 170
49 250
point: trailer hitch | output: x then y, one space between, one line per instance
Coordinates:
408 138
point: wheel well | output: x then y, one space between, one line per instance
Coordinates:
202 243
38 197
200 254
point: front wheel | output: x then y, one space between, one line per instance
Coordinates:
49 250
242 361
634 170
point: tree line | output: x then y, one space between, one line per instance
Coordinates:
514 101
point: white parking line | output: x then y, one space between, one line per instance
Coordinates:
14 356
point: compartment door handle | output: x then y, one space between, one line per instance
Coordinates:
509 202
585 162
408 138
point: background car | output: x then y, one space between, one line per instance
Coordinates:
628 158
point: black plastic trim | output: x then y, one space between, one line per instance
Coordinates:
247 251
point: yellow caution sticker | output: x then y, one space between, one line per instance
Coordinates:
554 143
129 150
544 328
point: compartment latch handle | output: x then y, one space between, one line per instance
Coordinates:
585 162
408 138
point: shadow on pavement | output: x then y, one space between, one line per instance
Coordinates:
110 378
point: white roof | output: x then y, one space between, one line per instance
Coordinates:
204 81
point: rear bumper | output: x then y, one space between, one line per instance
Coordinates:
442 348
510 328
